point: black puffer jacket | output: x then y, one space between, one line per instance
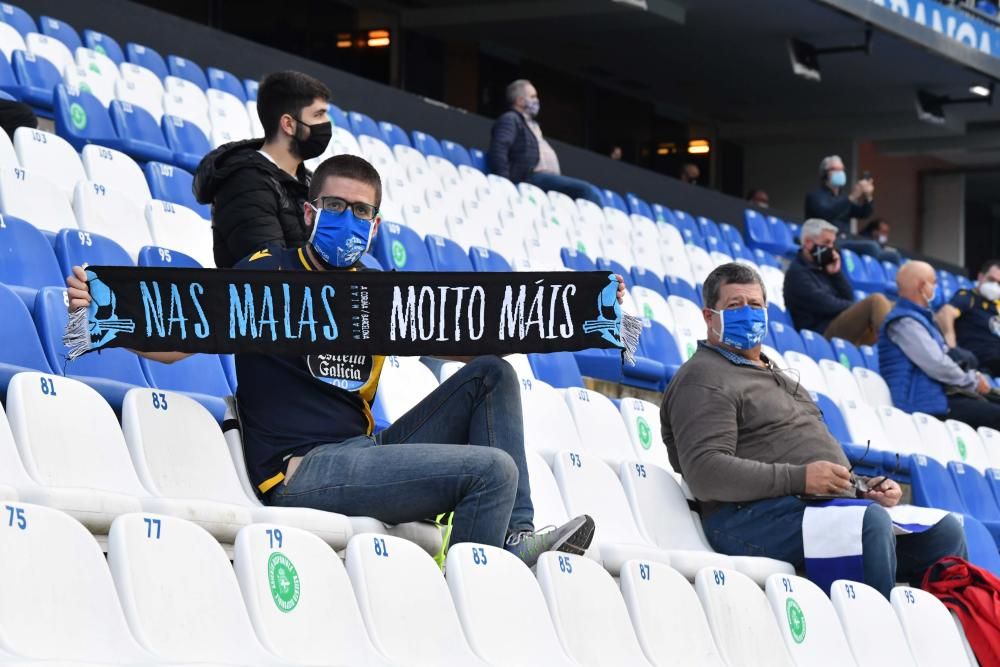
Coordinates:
254 203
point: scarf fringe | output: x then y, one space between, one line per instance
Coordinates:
630 331
77 334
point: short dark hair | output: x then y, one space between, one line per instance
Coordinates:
987 265
346 166
732 273
286 92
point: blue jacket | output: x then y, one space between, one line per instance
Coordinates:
836 209
513 147
813 297
912 389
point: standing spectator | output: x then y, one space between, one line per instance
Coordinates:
819 296
519 152
972 319
759 199
258 187
831 202
690 173
14 115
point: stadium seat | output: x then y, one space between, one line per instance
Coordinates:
199 376
138 133
558 369
104 45
18 18
446 255
363 124
150 557
51 155
92 80
548 424
744 628
498 599
399 248
806 372
146 57
873 388
405 604
226 82
991 444
26 259
932 638
786 338
228 113
679 287
477 159
816 346
872 629
141 88
589 486
187 70
588 611
21 350
37 78
51 47
484 259
641 277
807 621
175 226
599 425
103 209
166 258
173 184
80 119
75 248
256 128
188 105
59 30
68 610
638 206
27 195
976 495
404 383
968 447
840 381
870 356
392 134
106 165
935 439
758 233
847 354
576 260
426 144
456 153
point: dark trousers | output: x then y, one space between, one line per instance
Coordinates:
974 412
14 115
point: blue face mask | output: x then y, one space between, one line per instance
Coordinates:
340 238
838 179
742 328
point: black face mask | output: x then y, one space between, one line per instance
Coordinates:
822 255
315 143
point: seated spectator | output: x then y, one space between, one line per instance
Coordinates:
759 199
258 187
14 115
877 230
819 296
747 438
972 320
518 150
690 173
308 428
831 202
914 359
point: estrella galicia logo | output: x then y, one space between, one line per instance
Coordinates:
104 322
609 311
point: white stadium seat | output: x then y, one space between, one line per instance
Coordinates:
701 262
545 497
98 63
104 209
901 431
968 447
599 425
932 636
548 423
873 388
502 187
404 383
49 48
588 611
864 424
808 622
342 142
227 113
10 41
642 421
325 598
46 154
652 305
189 107
106 165
405 604
589 486
418 217
689 325
14 480
140 87
8 156
505 243
501 608
465 233
991 444
27 195
872 629
840 382
256 128
101 86
152 559
935 440
667 616
744 628
179 228
805 371
533 194
375 151
446 173
774 356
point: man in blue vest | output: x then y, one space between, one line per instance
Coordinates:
913 357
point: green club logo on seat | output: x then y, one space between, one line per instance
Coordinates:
961 448
581 248
100 49
284 582
399 254
77 116
850 263
94 68
691 347
845 361
645 433
796 620
85 88
647 311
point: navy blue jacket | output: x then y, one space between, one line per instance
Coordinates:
513 147
837 209
813 297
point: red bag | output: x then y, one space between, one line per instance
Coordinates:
974 595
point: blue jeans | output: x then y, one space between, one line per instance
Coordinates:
773 528
573 187
422 465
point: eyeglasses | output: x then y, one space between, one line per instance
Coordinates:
862 487
361 210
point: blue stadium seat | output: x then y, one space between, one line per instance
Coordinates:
637 206
965 283
148 58
222 80
338 117
730 234
251 86
229 368
867 463
576 260
363 124
188 70
26 260
484 259
446 255
614 200
890 269
816 346
37 78
611 266
796 232
165 258
139 135
764 258
559 369
679 287
689 228
776 314
786 338
870 355
104 45
607 365
664 214
455 153
708 228
186 141
399 248
947 286
10 87
18 18
111 372
369 262
857 273
781 234
74 247
426 144
60 30
477 159
649 279
658 343
860 295
977 496
200 376
393 135
876 274
982 547
20 349
758 233
992 477
737 250
847 354
173 184
81 119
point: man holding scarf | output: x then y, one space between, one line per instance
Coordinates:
307 424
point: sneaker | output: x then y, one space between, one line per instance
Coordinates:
573 537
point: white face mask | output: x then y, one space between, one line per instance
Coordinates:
930 299
990 290
883 238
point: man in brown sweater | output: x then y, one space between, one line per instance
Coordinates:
748 440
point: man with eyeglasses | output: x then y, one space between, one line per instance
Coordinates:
750 441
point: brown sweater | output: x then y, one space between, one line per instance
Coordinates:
739 433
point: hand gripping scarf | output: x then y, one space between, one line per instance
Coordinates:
370 312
